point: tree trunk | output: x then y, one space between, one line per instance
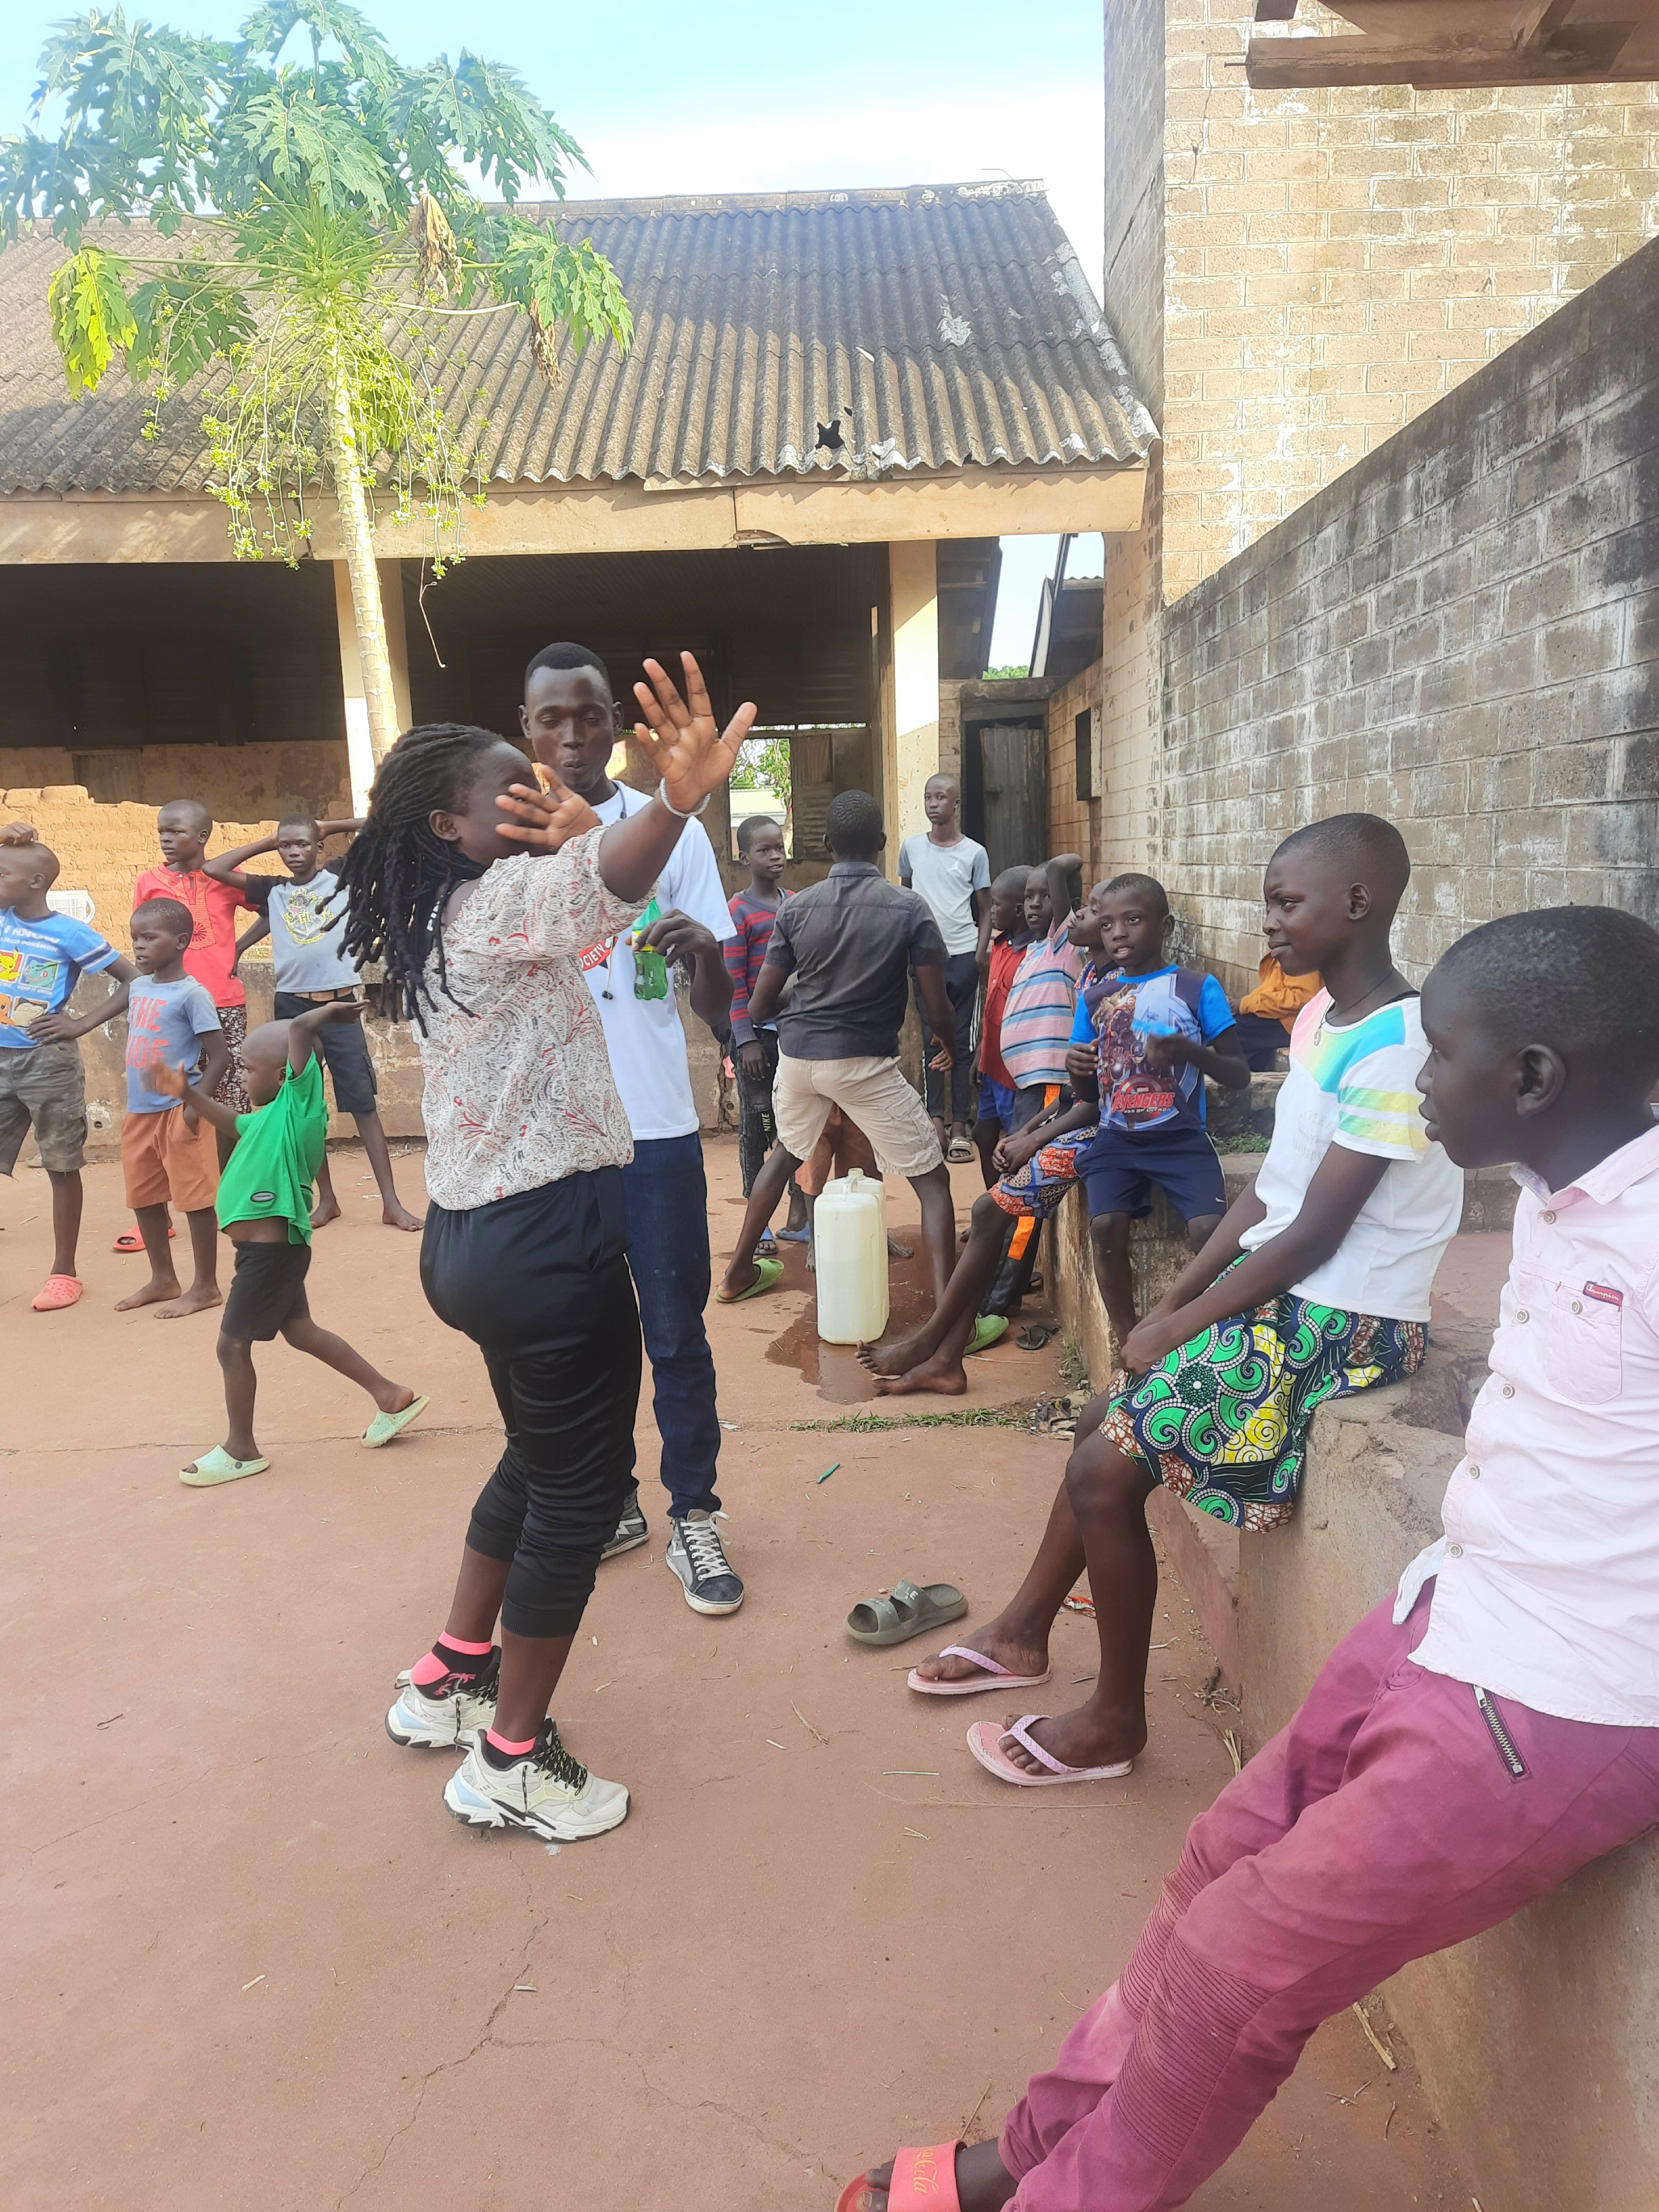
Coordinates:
358 543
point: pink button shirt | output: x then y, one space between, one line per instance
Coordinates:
1548 1572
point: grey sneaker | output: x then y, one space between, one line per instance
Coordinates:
547 1791
696 1555
631 1531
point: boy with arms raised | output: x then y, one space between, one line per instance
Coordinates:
166 1149
43 955
953 874
1475 1741
264 1208
304 913
1315 1284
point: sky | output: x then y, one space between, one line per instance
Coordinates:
740 96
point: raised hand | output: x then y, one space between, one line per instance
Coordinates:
545 819
20 833
688 751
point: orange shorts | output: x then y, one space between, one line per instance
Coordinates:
161 1160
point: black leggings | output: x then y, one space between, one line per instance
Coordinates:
540 1283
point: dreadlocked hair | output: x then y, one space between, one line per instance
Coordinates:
398 871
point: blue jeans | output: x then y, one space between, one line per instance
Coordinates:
668 1252
961 990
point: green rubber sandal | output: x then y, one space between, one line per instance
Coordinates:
383 1426
989 1329
769 1273
907 1611
217 1466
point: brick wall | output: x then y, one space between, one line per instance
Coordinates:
1073 822
233 781
1460 633
1338 260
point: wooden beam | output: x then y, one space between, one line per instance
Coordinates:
1458 61
1537 23
1275 11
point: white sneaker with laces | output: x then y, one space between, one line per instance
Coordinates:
452 1719
697 1557
547 1791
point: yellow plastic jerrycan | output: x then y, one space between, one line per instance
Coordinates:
849 1234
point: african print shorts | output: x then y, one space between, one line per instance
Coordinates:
1034 1192
1223 1421
233 1090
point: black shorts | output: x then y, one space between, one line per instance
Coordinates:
267 1290
343 1050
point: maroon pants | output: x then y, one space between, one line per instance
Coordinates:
1385 1822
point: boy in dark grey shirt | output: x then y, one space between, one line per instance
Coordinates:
304 913
851 944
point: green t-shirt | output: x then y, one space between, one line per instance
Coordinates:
279 1152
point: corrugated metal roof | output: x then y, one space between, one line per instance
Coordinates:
928 327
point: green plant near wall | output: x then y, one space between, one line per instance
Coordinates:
307 214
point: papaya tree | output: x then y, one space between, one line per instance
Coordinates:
294 213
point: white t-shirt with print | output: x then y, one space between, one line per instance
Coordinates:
1356 1087
644 1037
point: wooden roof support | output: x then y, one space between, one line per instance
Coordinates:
1449 45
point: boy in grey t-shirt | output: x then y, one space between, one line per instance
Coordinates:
953 874
304 914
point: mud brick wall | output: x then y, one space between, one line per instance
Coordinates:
1460 633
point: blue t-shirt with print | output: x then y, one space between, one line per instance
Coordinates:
165 1023
41 963
1117 1014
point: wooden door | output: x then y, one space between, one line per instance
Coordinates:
1014 773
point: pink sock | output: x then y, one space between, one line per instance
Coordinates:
509 1750
448 1655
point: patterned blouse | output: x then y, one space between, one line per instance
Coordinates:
519 1090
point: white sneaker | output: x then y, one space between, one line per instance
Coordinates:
452 1715
547 1791
697 1557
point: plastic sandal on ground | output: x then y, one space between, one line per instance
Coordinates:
985 1742
769 1273
907 1611
217 1466
383 1426
59 1291
989 1329
918 2175
996 1677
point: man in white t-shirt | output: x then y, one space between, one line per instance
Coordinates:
573 722
953 875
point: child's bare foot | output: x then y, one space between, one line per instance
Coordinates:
325 1210
1009 1644
157 1288
393 1397
199 1298
1086 1737
944 1375
983 2182
396 1215
897 1358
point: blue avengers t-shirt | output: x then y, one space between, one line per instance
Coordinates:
165 1023
1118 1013
41 963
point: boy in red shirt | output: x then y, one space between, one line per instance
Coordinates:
993 1116
182 828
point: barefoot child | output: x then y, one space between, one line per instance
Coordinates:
851 944
993 1114
525 1247
264 1208
953 874
1493 1728
166 1149
43 955
754 1051
1315 1284
305 915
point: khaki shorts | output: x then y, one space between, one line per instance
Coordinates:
161 1160
869 1091
42 1085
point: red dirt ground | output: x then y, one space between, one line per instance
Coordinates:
252 1962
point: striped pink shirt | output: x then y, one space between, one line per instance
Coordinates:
1038 1012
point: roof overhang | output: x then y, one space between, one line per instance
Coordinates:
630 517
1461 45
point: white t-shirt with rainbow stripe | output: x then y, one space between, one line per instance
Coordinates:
1356 1087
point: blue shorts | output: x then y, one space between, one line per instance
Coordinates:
996 1103
1120 1167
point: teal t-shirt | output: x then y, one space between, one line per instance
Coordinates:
279 1149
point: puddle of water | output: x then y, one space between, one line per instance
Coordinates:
835 1369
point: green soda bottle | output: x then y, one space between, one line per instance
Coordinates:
650 968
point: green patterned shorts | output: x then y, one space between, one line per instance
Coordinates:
1222 1420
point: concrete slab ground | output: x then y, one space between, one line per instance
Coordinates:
251 1961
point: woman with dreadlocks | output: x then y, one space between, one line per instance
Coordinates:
479 892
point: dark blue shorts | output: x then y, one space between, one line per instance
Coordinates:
996 1103
1120 1167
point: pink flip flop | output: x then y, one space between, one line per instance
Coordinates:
996 1677
985 1742
930 2173
60 1291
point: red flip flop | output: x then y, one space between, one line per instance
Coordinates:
919 2177
130 1241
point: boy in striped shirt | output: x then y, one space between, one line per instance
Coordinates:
1041 1002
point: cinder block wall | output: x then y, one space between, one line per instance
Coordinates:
232 781
1461 633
